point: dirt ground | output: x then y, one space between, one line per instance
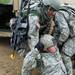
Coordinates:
7 65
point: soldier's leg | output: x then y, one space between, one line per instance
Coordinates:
68 63
33 30
30 62
25 70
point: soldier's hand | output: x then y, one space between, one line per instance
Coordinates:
22 52
12 21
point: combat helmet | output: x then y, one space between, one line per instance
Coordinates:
47 41
55 4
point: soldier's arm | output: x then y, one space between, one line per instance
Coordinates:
29 62
63 27
33 30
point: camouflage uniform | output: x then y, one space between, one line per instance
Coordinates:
51 64
62 37
35 17
33 31
62 33
33 23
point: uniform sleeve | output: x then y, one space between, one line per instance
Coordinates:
33 30
29 62
64 29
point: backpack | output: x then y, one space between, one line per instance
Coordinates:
19 29
71 22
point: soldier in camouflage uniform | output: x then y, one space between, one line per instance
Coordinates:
34 25
39 24
35 20
49 61
33 29
62 33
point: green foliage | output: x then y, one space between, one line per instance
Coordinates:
6 1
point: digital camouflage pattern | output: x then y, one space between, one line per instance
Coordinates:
62 30
53 3
49 64
38 23
69 45
33 30
62 35
68 64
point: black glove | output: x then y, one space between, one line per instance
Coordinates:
39 46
